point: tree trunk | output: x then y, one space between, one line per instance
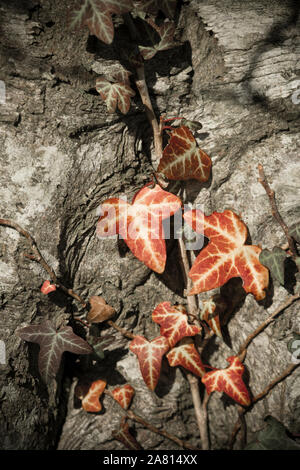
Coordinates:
62 155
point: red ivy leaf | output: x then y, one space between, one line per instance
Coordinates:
226 256
52 345
96 15
182 159
166 32
173 322
210 312
140 223
229 381
150 355
90 400
115 94
186 356
123 435
123 395
47 287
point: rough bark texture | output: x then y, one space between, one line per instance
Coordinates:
62 154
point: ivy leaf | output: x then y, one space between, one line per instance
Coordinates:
272 437
186 355
123 435
182 159
140 223
47 287
123 395
100 311
152 6
210 312
295 232
226 256
115 94
173 321
52 345
150 354
90 394
274 261
166 32
229 381
96 15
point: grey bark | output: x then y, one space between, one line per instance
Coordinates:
62 155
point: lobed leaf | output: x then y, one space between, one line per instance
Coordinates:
47 287
274 261
186 355
53 343
91 400
150 354
100 311
229 381
96 15
226 256
123 395
140 223
115 94
182 159
173 321
166 32
123 435
273 436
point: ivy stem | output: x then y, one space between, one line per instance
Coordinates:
200 408
271 195
138 419
40 259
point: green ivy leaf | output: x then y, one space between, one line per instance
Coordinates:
295 232
274 261
272 437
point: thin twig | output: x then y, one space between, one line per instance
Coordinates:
200 411
39 258
124 332
260 396
271 195
243 349
138 419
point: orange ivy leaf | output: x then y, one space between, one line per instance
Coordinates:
210 312
226 256
150 354
140 223
47 287
173 321
182 159
186 355
89 396
229 381
100 311
123 435
123 395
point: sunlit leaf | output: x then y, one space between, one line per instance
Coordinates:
182 159
123 395
47 287
114 94
52 345
90 394
150 354
229 381
274 261
186 355
140 223
173 321
226 256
